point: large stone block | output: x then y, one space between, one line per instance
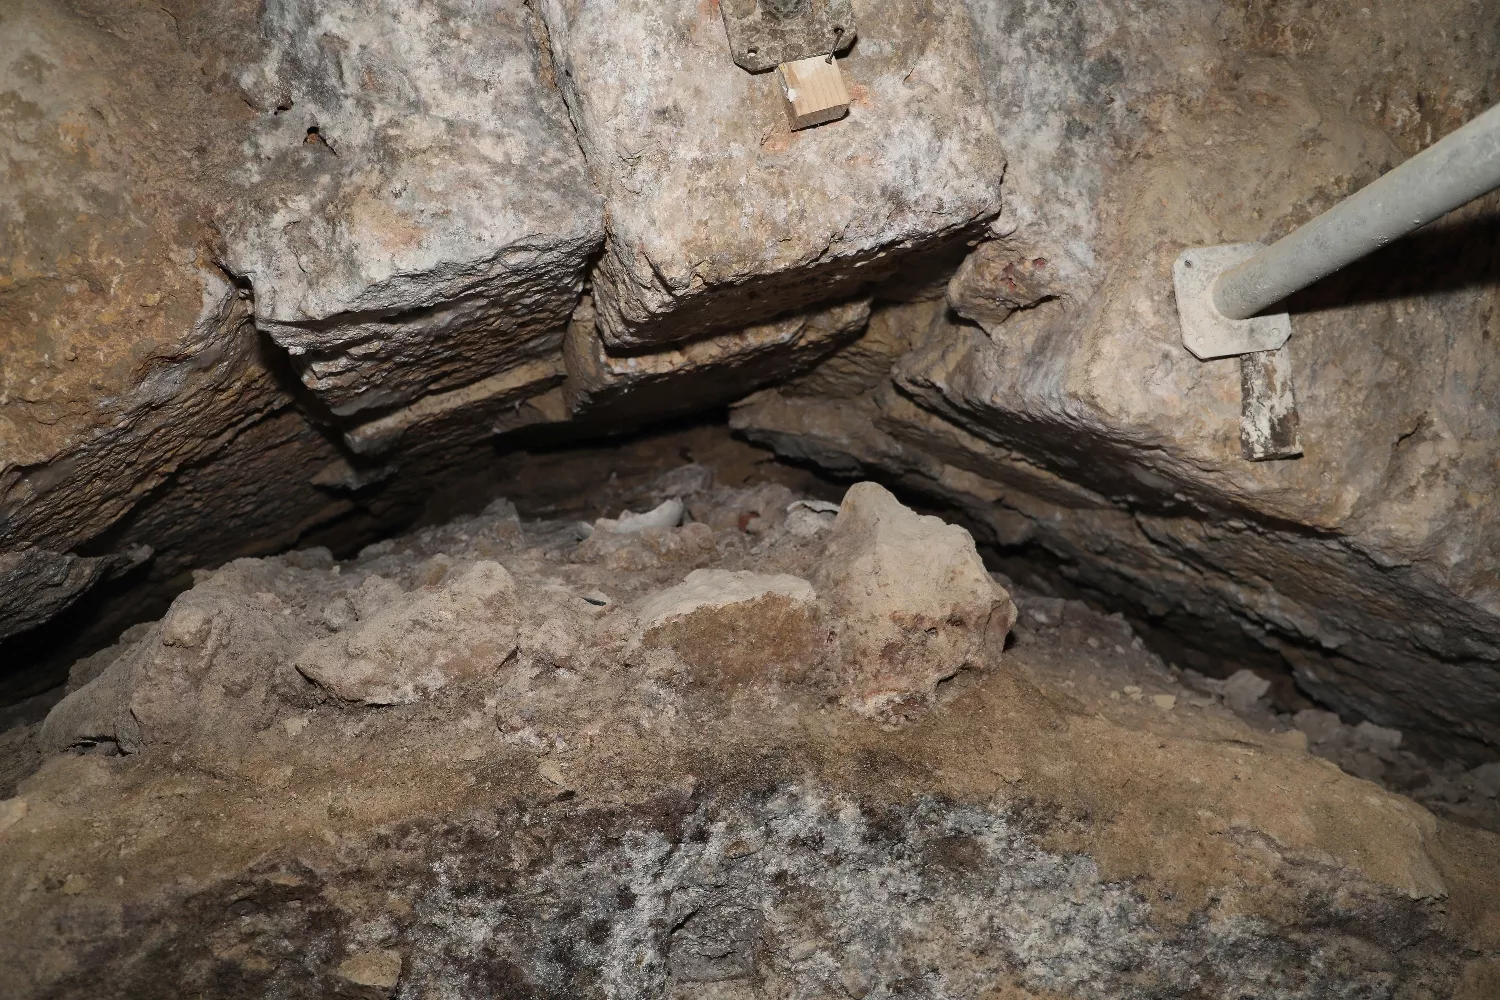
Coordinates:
414 214
719 215
915 601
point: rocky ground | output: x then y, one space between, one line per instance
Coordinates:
739 742
354 638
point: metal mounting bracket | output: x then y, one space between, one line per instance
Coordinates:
764 34
1242 280
1269 424
1207 332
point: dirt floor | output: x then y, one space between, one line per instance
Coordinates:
564 790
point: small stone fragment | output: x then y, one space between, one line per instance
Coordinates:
1165 702
804 523
1244 690
1319 726
372 973
12 811
75 884
668 514
808 518
1485 779
1376 739
915 601
1043 612
550 771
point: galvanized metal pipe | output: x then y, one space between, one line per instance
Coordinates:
1450 173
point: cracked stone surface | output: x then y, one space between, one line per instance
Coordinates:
719 215
415 210
707 372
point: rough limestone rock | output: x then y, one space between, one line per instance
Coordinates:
139 405
373 974
95 714
391 652
416 214
702 373
580 819
518 397
916 602
719 215
1072 420
133 406
867 361
245 642
217 666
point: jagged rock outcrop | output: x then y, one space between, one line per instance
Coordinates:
415 214
134 407
37 585
274 274
704 373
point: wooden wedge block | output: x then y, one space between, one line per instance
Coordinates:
814 90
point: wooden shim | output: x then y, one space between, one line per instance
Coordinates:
1269 425
814 91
